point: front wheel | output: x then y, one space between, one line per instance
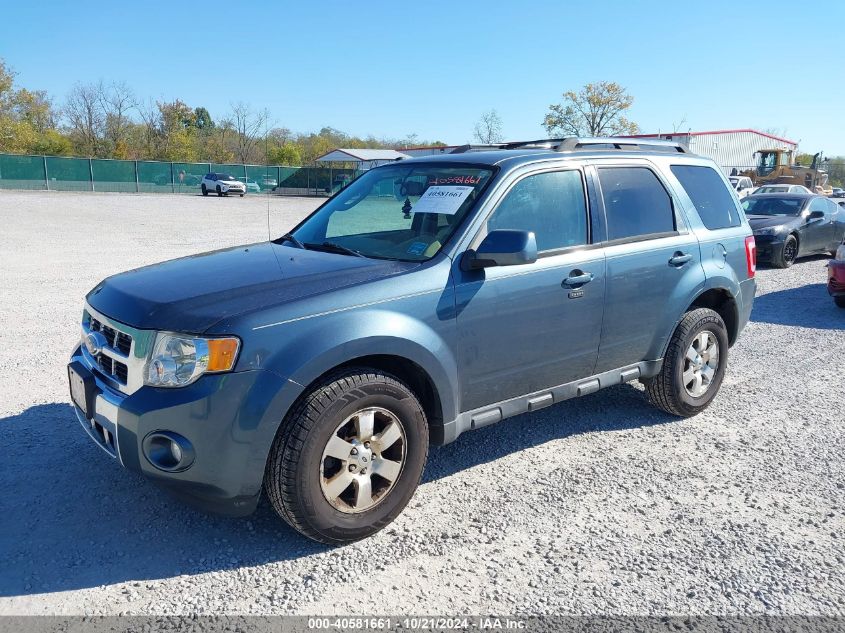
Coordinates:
788 253
204 190
348 457
694 365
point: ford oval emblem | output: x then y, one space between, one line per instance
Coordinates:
95 342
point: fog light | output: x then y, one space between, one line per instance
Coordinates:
168 451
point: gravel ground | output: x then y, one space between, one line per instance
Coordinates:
596 505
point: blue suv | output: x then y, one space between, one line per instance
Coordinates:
429 297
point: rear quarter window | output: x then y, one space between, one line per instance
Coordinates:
707 190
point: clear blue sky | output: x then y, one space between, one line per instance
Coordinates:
391 68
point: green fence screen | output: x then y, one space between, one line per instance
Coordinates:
61 173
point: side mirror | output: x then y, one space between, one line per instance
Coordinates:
815 215
503 247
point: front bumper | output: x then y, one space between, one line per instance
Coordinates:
836 278
769 246
229 419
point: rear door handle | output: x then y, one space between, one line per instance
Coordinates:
679 259
579 279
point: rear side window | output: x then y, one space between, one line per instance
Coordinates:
712 200
635 202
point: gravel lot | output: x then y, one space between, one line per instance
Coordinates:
597 505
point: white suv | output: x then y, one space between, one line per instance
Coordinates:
742 185
223 184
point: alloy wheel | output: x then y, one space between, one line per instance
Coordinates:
700 363
790 251
362 460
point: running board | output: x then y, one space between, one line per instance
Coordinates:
490 414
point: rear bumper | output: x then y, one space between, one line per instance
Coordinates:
748 289
836 278
230 421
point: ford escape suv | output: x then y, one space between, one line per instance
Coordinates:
429 297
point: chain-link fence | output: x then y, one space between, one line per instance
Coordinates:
60 173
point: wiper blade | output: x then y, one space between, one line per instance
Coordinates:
291 238
335 247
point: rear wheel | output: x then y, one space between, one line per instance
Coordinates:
839 301
348 457
204 190
788 253
694 366
219 191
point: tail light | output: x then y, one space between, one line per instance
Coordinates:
751 255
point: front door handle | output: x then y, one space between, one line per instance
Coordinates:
679 259
578 278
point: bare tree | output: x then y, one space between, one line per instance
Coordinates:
117 101
596 110
249 127
149 113
488 129
84 112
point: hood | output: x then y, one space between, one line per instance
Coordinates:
765 221
193 293
231 182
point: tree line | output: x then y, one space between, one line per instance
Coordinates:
108 120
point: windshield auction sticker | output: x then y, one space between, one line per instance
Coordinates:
446 200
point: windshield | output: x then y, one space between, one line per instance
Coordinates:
225 177
772 189
773 206
396 212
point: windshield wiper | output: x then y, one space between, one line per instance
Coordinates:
291 238
333 246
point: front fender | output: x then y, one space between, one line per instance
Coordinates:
303 350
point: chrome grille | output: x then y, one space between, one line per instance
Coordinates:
118 341
123 352
114 368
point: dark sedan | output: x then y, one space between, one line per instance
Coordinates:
791 225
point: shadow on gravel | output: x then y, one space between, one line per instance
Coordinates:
807 306
72 518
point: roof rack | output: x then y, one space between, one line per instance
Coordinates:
574 143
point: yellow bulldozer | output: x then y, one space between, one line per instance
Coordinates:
775 166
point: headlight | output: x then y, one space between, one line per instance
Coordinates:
770 230
840 252
179 359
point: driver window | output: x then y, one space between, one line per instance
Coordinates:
551 204
819 204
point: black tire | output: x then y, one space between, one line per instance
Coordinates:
839 301
219 192
295 466
667 390
788 254
242 195
204 190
